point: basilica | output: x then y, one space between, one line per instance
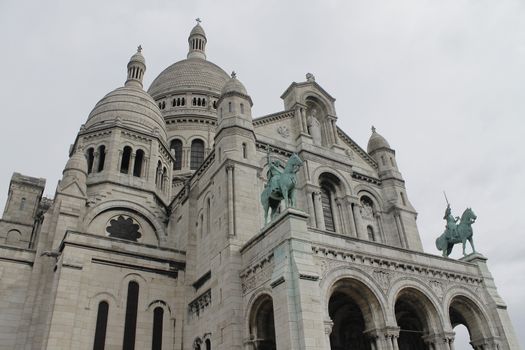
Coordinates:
164 231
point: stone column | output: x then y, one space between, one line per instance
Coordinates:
319 218
303 120
299 118
328 324
381 232
335 215
96 161
334 130
231 216
185 157
400 231
144 171
131 166
311 209
348 213
341 212
361 233
119 161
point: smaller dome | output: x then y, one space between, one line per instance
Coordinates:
234 85
132 107
376 142
197 30
78 162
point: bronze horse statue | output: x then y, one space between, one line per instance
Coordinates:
457 233
280 186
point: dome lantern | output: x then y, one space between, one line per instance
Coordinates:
136 69
197 42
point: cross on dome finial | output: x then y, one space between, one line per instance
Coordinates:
139 48
373 128
234 75
198 20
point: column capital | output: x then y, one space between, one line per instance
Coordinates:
328 324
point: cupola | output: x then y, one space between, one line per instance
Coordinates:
234 105
136 68
197 42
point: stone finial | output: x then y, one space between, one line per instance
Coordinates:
310 77
139 48
373 129
234 75
198 20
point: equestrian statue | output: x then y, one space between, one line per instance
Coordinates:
456 233
280 185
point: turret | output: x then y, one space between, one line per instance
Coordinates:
197 42
384 155
136 69
235 126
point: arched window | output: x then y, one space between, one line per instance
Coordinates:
197 154
101 326
101 157
244 151
22 203
403 200
176 145
328 214
90 155
203 102
208 344
158 318
130 325
242 108
183 101
139 159
126 156
194 101
370 231
214 104
383 160
392 161
230 108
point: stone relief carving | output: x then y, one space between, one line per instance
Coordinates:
383 278
257 274
197 306
283 131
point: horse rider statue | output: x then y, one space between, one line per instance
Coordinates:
273 172
451 229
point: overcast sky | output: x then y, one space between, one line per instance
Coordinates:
443 81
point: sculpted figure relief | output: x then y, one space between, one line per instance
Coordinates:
280 185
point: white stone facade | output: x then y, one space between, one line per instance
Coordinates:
155 238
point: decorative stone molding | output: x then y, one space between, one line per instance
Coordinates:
257 274
273 118
202 302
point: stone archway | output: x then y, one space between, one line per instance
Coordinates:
262 326
463 311
416 318
354 311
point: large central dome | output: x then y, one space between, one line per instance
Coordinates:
192 74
